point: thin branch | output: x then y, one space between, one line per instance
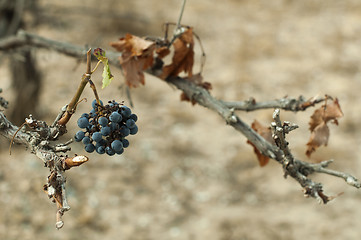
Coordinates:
289 104
181 14
73 103
322 168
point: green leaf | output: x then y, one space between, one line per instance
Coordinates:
107 75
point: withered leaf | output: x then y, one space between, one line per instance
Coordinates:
318 125
162 51
137 56
183 57
319 137
266 133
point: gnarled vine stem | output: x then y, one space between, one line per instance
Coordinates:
294 168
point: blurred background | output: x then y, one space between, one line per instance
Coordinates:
186 174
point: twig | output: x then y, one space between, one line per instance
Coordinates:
289 104
73 103
181 14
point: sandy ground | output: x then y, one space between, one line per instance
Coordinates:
187 175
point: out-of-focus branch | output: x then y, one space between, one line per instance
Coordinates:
286 103
297 169
3 102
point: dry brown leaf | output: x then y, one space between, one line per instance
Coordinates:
137 56
266 133
183 57
319 137
162 52
318 125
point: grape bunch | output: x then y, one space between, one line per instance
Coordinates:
105 128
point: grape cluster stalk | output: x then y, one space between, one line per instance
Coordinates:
105 128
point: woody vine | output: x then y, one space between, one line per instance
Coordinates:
136 56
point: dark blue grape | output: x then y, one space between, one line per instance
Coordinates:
95 104
85 115
76 139
117 145
109 151
97 136
124 131
103 121
120 152
86 140
125 143
115 117
83 122
89 148
113 126
102 142
134 117
100 149
125 111
105 131
130 123
91 128
134 130
79 135
112 104
93 113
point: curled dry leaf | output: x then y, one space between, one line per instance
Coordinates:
137 56
320 132
162 51
183 57
266 133
74 161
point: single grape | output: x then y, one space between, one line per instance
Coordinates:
83 122
125 111
113 126
115 117
120 152
113 103
109 151
77 139
86 115
91 128
125 143
103 121
86 140
79 135
97 136
89 148
93 113
130 123
95 104
105 131
124 131
134 117
134 130
102 142
117 145
100 149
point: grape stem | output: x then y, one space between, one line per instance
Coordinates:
84 80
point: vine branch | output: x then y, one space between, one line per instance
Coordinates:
297 169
